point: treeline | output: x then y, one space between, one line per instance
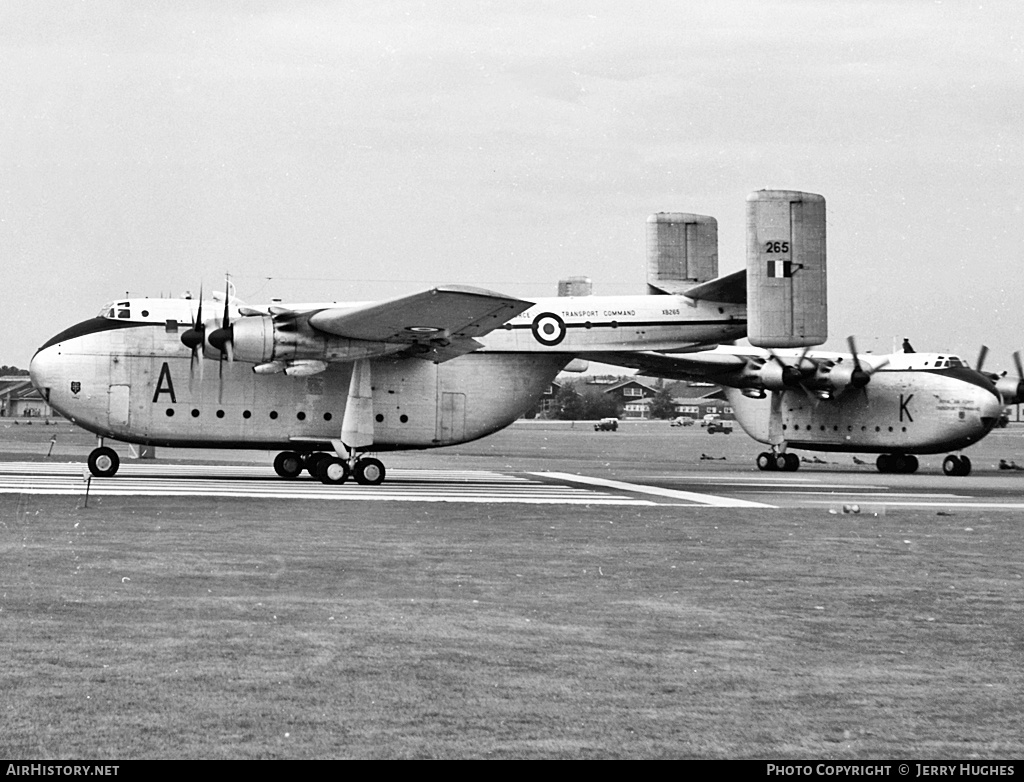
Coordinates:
6 370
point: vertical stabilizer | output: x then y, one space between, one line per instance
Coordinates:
576 286
682 251
786 285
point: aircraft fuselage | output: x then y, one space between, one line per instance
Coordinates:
902 410
137 383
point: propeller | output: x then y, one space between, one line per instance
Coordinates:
193 339
1011 391
860 377
843 377
221 339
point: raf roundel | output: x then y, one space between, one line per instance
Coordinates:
548 329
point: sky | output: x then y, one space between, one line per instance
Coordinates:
362 150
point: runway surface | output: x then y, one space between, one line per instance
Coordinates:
747 488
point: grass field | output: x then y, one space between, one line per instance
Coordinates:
180 628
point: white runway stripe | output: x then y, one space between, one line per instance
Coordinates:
675 494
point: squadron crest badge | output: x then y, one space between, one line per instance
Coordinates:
76 386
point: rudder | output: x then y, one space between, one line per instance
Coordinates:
787 302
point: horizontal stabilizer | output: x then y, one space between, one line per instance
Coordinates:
730 289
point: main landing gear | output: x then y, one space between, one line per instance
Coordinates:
898 463
906 463
330 469
771 461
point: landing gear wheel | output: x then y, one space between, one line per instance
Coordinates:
956 465
369 472
332 470
884 463
792 462
103 462
765 462
288 464
311 462
780 461
911 464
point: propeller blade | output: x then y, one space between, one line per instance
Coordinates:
193 339
981 358
226 347
1016 362
860 376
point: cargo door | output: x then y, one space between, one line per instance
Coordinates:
452 427
118 410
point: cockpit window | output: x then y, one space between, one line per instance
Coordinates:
955 362
124 314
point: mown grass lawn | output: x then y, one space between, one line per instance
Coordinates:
198 628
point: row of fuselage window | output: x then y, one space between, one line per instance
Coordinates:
835 428
274 415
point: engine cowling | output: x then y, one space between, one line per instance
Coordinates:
1011 390
264 339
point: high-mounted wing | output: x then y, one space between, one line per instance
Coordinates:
710 365
449 313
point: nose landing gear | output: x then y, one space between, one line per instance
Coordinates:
956 465
103 462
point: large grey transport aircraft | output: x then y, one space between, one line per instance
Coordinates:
329 384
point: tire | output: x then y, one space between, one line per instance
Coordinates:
765 463
311 460
103 462
792 462
369 472
956 465
288 464
332 471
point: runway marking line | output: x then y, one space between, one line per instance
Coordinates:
675 494
480 486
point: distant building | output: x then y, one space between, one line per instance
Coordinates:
635 396
700 399
545 407
20 399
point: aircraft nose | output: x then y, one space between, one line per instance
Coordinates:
991 410
40 369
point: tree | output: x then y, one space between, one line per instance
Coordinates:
661 404
6 370
568 403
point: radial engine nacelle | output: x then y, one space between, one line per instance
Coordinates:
262 339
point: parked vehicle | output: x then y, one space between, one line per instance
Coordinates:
683 420
725 427
607 425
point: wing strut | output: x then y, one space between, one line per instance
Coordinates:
357 424
775 436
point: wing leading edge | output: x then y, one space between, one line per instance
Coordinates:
442 322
